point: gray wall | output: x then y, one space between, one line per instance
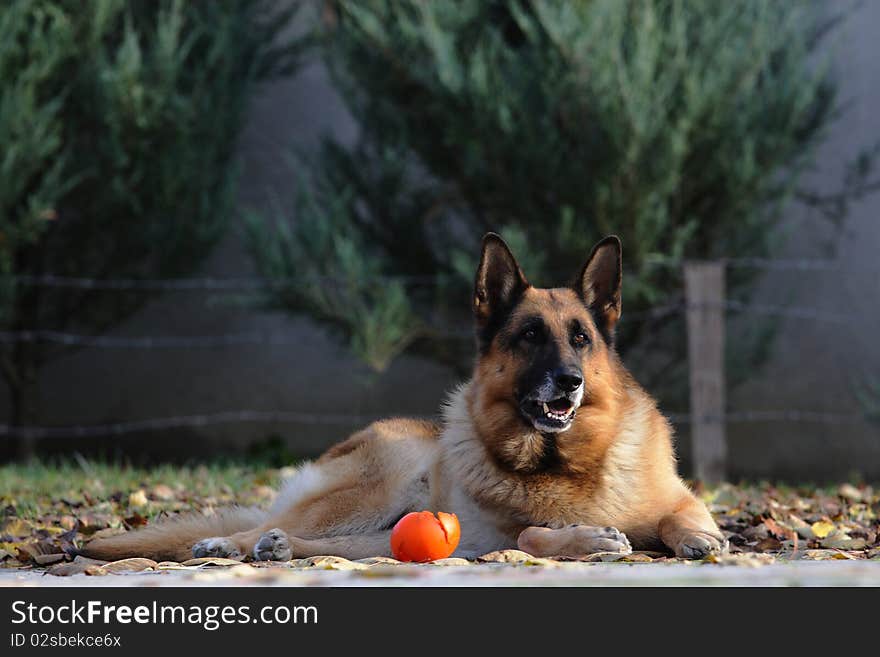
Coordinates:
812 367
314 375
815 365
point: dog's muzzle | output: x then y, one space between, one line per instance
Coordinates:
551 414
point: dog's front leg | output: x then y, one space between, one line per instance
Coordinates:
690 532
572 541
236 546
274 544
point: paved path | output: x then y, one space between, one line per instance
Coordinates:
796 573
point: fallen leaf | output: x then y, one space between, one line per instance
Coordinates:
68 522
45 559
819 555
264 492
136 520
384 561
95 571
843 542
69 568
138 498
327 562
134 565
748 559
17 527
821 529
210 561
88 561
108 532
777 530
506 556
605 557
769 544
756 533
850 492
162 492
9 546
803 529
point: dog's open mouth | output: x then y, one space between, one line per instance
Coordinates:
553 415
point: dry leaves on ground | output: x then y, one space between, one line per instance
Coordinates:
42 525
837 523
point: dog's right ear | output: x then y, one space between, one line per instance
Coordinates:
499 285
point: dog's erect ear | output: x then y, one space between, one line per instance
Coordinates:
499 285
599 285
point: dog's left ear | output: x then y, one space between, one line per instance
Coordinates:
598 285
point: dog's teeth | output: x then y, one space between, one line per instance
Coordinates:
546 408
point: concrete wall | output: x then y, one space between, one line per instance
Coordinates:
812 366
314 375
815 365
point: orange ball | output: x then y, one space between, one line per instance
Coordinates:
422 536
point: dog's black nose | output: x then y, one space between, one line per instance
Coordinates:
568 380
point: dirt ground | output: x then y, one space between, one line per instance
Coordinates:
519 570
779 535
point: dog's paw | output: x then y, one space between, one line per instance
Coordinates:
698 545
572 541
273 546
217 546
600 539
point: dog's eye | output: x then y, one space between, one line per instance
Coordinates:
530 335
580 339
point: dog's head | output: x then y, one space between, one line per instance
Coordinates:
545 354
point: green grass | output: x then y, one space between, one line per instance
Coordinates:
33 488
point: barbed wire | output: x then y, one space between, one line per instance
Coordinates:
181 422
816 417
184 341
351 420
257 283
657 312
799 264
192 284
745 417
785 311
148 342
279 339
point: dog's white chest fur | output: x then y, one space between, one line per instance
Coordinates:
479 533
464 469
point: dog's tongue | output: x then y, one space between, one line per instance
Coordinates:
560 405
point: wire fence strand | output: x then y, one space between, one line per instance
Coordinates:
192 284
748 417
353 420
182 422
278 339
149 342
208 283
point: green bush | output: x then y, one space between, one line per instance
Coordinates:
118 122
682 127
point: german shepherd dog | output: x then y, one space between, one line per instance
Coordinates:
551 447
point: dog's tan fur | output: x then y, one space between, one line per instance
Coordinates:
613 468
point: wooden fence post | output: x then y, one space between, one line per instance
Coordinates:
704 294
